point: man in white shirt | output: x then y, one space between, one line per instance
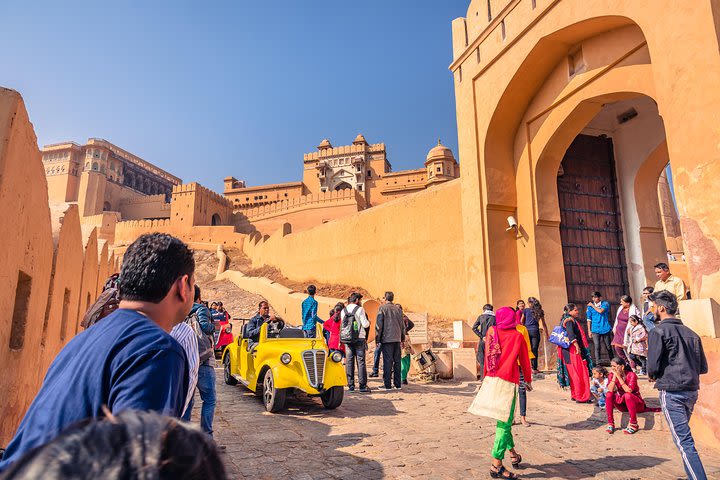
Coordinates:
185 336
356 349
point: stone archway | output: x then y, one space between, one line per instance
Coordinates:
216 220
343 186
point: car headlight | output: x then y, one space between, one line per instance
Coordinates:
337 357
285 358
228 328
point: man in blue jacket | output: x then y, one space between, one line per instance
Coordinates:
675 362
126 361
599 328
309 313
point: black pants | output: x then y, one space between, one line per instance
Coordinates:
640 360
603 340
534 346
522 395
356 351
391 364
481 358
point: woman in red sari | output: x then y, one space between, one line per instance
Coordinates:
574 362
623 393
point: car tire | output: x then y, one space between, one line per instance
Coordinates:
229 379
273 398
333 397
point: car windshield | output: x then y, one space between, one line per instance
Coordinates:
290 332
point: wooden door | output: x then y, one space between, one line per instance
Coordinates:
590 223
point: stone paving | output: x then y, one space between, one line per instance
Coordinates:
423 431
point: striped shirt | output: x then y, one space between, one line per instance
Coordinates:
185 336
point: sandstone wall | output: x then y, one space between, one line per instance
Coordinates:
413 246
44 268
151 206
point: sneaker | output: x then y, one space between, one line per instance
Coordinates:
373 375
397 387
365 390
384 388
352 388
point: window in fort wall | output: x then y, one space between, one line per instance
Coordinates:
20 310
64 319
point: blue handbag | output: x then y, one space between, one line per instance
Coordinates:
559 337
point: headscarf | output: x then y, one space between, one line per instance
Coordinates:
504 320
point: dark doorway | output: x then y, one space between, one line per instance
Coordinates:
215 220
343 186
590 223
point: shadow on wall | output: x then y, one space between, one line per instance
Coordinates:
50 274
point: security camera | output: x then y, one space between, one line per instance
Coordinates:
512 223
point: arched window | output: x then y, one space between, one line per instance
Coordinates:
95 166
343 186
215 220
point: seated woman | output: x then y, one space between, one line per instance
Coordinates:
623 393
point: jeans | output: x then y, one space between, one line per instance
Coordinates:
639 360
602 340
649 321
309 333
534 346
355 351
481 358
376 358
206 386
391 364
600 397
677 408
522 395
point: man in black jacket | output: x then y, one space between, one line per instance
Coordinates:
481 326
675 362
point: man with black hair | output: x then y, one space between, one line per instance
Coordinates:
127 361
252 329
356 350
480 328
309 313
669 282
206 370
675 362
390 331
599 327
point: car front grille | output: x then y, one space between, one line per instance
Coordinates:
314 361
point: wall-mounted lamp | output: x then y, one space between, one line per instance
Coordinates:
513 225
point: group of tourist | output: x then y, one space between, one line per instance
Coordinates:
652 340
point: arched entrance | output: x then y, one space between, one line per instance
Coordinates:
215 220
343 186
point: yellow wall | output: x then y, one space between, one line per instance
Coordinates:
412 246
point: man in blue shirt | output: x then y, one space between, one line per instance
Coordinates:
599 328
309 313
126 361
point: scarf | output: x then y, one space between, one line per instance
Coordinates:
504 320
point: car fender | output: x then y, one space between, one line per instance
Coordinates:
334 374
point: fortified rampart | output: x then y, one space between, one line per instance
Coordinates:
150 206
49 275
343 150
304 212
412 246
192 204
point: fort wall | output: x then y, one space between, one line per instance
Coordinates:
44 267
412 246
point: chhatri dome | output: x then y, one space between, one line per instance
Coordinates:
438 153
359 140
324 144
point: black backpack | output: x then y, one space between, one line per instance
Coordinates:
350 327
205 343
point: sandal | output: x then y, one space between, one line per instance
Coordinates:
515 460
501 472
610 429
631 428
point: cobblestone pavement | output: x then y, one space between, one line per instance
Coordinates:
423 431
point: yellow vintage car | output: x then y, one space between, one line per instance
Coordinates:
284 361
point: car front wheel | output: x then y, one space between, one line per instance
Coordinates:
229 379
274 398
333 397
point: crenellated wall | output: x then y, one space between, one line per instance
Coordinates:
151 206
192 204
46 270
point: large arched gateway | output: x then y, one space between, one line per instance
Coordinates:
567 117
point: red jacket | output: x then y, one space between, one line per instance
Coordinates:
513 348
332 325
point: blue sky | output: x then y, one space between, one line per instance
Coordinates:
240 88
